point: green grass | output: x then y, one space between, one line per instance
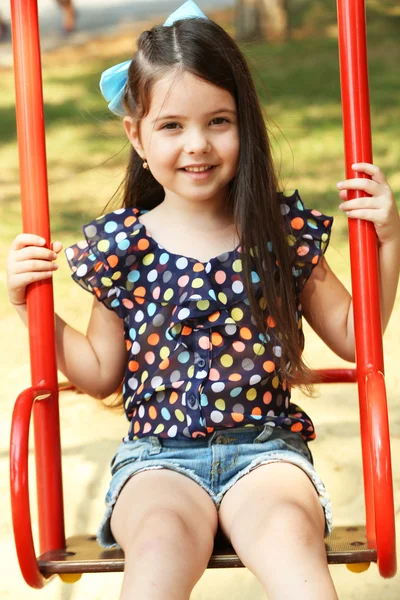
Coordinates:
298 84
86 149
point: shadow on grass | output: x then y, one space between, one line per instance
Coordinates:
305 73
66 221
68 113
296 75
298 83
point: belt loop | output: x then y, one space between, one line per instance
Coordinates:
212 437
155 444
265 433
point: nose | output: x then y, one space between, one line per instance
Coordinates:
196 142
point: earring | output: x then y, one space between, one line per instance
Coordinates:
145 164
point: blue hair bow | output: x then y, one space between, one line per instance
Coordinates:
113 80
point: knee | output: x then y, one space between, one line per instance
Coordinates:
164 521
157 528
293 523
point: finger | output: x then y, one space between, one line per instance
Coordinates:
30 252
364 202
365 185
375 172
365 214
32 266
27 239
20 281
56 246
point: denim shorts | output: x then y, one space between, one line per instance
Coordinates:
215 463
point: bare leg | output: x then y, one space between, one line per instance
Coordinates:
166 524
4 29
68 11
276 524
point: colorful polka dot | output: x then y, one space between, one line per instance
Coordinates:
195 360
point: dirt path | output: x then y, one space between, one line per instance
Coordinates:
101 17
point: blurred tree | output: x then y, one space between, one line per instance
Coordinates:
261 20
276 20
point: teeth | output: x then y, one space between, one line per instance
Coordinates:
197 169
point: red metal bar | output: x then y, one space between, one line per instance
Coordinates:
20 504
382 469
35 210
334 376
318 376
363 243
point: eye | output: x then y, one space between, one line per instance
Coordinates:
220 119
171 126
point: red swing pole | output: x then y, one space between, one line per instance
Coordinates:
378 487
43 395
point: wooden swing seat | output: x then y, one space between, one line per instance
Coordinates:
82 553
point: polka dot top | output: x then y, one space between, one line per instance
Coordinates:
195 360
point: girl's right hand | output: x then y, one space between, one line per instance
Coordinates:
27 262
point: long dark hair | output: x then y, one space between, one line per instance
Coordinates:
204 49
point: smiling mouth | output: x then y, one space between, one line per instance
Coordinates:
197 169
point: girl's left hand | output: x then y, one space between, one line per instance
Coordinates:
380 208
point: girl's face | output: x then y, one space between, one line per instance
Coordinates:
190 123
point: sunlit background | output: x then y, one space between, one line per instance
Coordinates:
292 51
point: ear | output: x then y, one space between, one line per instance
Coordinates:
132 131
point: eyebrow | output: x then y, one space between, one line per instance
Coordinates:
214 112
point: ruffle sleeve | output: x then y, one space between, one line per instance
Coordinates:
308 233
103 263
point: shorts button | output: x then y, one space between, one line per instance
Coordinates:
192 401
201 362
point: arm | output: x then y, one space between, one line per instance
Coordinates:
329 307
94 362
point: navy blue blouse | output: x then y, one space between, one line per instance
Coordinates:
195 359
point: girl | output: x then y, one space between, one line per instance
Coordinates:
200 282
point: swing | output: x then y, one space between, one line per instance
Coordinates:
356 546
